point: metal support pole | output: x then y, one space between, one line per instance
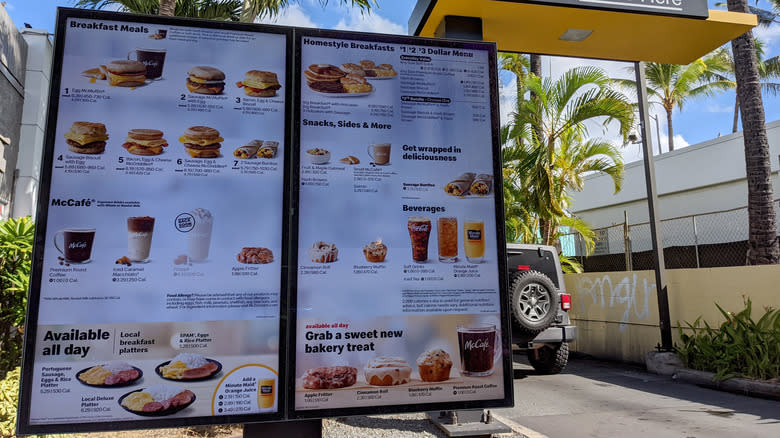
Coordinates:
658 134
627 242
696 241
652 207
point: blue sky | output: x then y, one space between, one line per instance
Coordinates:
699 121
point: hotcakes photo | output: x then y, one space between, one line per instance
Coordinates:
350 80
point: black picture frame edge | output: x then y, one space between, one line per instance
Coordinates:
23 419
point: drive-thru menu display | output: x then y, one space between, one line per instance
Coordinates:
398 296
157 288
210 251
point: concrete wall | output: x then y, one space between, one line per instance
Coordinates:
36 99
617 312
701 178
13 58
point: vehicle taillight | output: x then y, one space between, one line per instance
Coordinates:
565 301
523 268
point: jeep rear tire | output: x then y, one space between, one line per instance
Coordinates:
549 360
534 302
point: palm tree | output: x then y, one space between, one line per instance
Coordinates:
168 7
546 153
767 69
671 85
233 10
764 247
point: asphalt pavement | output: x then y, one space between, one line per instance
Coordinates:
593 398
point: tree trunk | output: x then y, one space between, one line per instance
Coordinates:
544 230
536 64
670 129
735 128
167 7
247 12
536 69
762 239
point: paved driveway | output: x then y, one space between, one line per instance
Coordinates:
600 399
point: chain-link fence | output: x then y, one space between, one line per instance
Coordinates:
699 241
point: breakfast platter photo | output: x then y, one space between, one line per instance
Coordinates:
188 366
157 401
110 375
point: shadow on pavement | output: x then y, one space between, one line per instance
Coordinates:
637 378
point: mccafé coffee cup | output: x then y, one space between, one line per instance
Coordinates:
76 244
380 153
480 349
153 59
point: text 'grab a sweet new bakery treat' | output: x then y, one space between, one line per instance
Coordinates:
203 79
87 138
201 142
145 142
259 83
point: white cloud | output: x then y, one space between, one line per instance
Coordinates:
369 23
507 100
715 108
290 16
555 66
769 35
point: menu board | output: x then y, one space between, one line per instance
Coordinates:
156 296
399 286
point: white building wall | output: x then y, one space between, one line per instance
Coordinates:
36 97
701 178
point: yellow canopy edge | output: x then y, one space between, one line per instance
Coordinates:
534 28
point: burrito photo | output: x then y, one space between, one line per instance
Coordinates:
482 185
460 185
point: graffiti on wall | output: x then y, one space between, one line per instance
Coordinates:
621 291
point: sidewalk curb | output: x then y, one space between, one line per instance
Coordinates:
748 387
519 428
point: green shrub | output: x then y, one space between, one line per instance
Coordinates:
16 241
9 391
740 347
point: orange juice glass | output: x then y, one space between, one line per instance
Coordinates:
474 240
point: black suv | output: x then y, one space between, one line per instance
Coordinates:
540 306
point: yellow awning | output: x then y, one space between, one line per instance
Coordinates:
535 28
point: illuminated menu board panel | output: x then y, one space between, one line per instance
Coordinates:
399 297
156 294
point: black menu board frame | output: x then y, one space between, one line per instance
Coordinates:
294 374
43 213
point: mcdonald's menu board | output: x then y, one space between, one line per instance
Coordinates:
398 263
158 264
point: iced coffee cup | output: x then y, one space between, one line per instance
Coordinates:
139 238
199 238
419 232
447 229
